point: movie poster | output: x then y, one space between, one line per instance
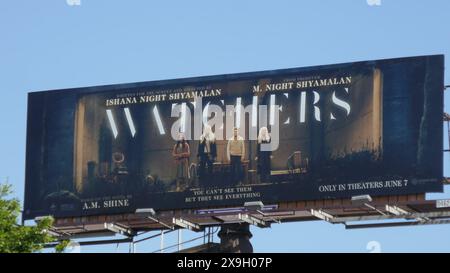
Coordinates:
311 133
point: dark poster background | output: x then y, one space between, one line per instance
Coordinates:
389 143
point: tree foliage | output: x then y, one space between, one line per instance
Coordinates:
15 238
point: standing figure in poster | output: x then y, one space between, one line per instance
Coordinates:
181 153
207 153
263 155
235 155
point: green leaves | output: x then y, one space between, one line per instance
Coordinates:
15 238
62 246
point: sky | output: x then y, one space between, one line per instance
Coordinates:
54 44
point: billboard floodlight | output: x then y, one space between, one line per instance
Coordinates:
255 205
361 199
147 211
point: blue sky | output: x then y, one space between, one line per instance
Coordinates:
52 45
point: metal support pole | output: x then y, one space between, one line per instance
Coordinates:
180 240
446 87
131 248
209 235
448 133
162 242
447 121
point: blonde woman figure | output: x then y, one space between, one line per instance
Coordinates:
207 153
263 156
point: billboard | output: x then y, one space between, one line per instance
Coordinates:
312 133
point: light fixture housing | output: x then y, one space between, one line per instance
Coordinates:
254 205
147 211
361 199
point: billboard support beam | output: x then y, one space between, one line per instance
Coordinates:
119 229
322 215
398 224
396 210
249 219
150 213
342 220
160 222
97 242
186 224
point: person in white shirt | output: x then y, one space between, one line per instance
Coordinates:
235 155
